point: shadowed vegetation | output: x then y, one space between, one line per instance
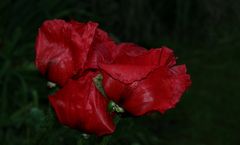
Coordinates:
204 34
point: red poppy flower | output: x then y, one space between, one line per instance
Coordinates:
146 82
72 54
65 49
80 105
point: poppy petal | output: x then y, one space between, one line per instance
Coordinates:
127 73
129 49
80 105
166 57
160 91
62 47
103 50
82 39
128 69
112 87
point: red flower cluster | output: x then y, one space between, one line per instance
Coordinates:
73 54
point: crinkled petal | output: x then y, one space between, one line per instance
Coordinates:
166 57
81 106
103 50
127 73
129 49
127 68
82 40
52 57
160 91
62 48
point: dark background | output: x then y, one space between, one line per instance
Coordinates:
205 35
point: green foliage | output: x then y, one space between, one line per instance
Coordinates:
203 33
